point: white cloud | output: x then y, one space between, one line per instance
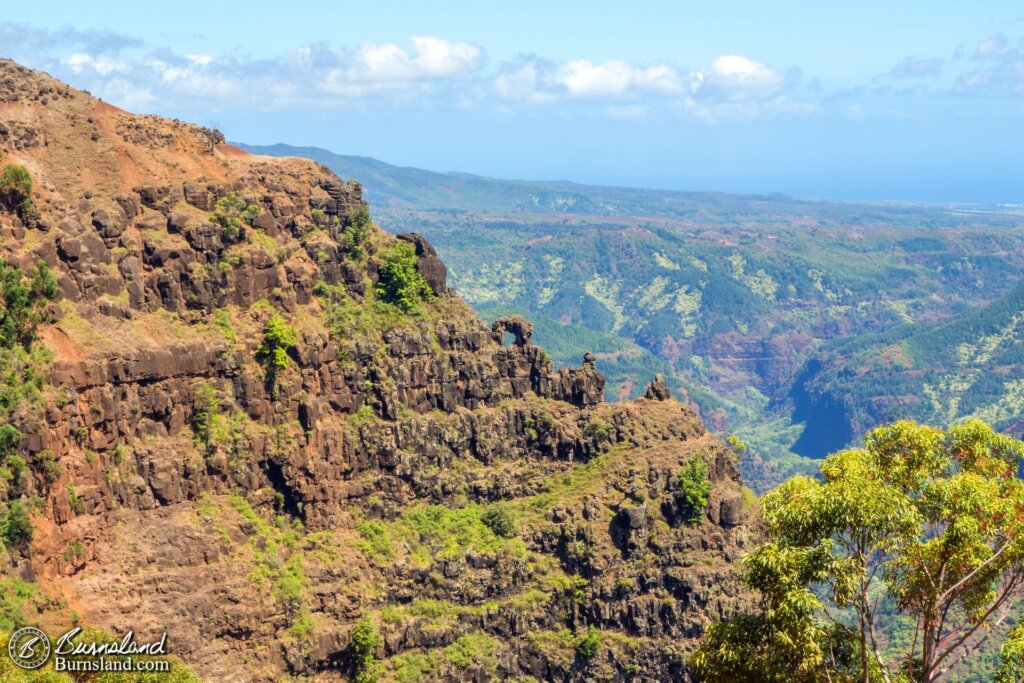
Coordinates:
522 83
539 81
102 65
385 65
734 78
581 78
426 69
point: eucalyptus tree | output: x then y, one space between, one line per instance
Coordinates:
926 523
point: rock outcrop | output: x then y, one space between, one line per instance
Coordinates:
480 507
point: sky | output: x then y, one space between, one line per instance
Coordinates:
892 100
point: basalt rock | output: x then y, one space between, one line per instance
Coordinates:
516 325
427 263
657 389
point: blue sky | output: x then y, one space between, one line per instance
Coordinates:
869 100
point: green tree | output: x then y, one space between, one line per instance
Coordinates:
933 521
400 283
15 184
694 489
278 337
23 298
207 408
356 232
501 519
232 212
16 526
588 645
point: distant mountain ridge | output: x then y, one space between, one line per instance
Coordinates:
403 187
388 186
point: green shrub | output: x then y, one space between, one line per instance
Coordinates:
73 500
278 337
472 649
694 489
364 650
501 520
353 239
588 646
15 184
736 445
23 298
206 411
232 212
597 428
75 551
51 469
400 283
15 526
10 439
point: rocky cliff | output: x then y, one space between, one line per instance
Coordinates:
238 438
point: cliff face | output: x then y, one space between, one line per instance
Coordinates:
409 468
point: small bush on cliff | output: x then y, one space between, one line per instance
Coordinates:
51 469
232 212
694 489
16 192
597 429
278 337
501 520
588 646
364 651
23 298
10 439
15 526
353 239
206 411
15 184
400 283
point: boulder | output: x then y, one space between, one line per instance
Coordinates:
657 390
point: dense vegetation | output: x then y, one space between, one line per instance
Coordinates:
924 524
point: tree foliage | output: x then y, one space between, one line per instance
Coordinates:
364 650
278 337
932 521
207 408
22 300
15 526
501 519
15 184
232 212
694 489
400 283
